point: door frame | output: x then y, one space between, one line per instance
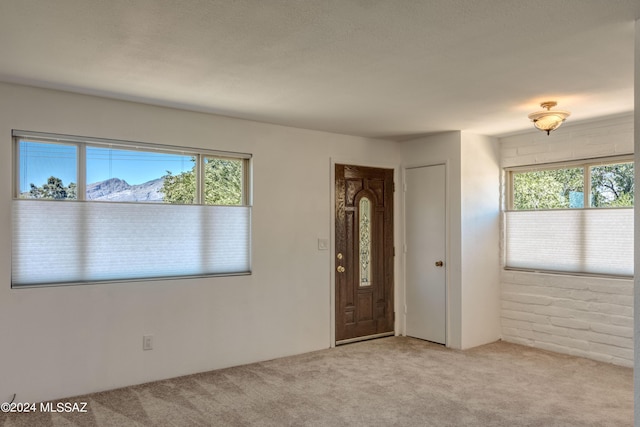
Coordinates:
398 294
447 240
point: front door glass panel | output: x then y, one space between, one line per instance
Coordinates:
365 241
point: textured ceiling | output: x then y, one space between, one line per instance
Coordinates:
380 68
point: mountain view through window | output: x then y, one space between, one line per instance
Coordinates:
50 171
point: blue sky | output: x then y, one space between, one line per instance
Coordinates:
39 161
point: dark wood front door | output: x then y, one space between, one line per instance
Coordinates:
364 252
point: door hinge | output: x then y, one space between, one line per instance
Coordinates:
394 251
394 187
394 316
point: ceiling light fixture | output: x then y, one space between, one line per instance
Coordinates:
547 120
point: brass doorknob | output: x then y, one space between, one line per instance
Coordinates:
340 269
439 263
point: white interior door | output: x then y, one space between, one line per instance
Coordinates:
425 228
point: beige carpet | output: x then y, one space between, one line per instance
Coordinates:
393 381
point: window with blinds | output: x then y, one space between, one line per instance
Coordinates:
574 218
90 210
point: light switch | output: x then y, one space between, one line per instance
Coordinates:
323 244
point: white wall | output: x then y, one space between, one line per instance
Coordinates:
473 212
444 148
64 341
585 316
480 240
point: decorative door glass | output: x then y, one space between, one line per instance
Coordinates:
365 241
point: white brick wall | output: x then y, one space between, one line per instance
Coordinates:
584 316
572 141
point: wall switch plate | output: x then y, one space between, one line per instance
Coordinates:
323 244
147 342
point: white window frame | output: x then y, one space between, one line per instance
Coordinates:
83 142
587 210
585 163
211 214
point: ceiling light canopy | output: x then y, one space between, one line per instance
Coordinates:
547 120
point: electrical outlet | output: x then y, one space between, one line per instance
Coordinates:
147 342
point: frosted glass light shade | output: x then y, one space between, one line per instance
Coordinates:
548 120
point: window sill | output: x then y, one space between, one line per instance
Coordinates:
568 273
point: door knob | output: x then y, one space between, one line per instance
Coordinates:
439 263
340 269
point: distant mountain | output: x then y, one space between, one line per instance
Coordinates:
118 190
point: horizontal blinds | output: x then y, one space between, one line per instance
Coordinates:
598 241
69 242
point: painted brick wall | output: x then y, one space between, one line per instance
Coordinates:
584 316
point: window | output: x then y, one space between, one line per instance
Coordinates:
574 217
91 210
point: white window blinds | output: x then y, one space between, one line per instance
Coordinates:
597 241
79 242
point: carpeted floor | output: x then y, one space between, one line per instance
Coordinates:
394 381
